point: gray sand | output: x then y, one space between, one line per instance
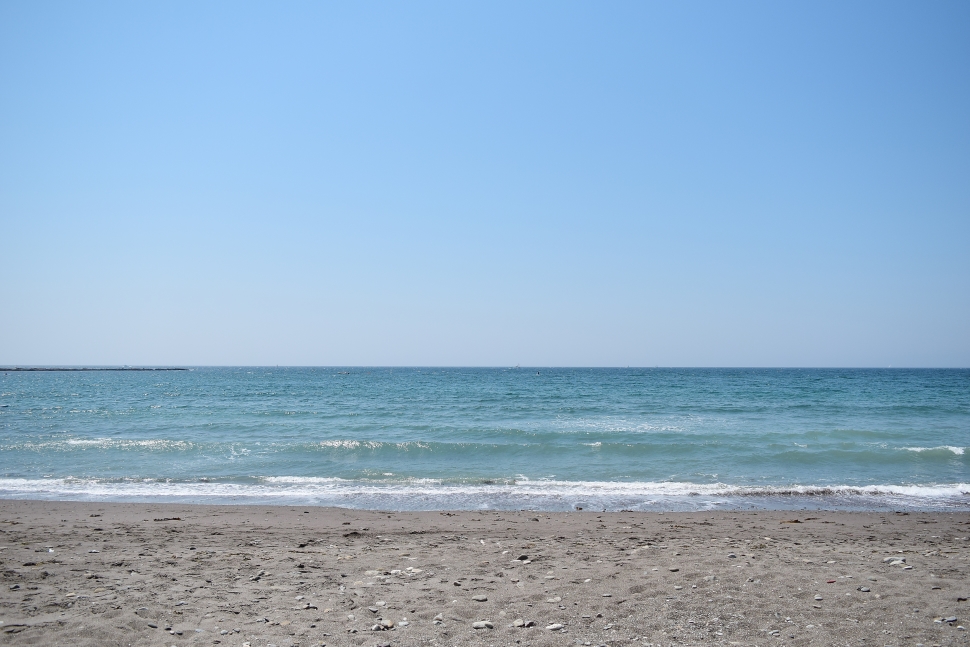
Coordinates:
132 574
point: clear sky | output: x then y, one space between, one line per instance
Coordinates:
485 183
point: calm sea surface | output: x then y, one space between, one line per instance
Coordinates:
553 439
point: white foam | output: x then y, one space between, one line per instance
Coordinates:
956 450
432 493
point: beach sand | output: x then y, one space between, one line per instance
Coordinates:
171 574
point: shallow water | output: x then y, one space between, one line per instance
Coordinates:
502 438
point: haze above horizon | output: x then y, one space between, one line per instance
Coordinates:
432 184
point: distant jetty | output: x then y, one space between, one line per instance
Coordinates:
106 368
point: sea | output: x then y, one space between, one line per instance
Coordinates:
603 439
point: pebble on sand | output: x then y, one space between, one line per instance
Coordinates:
482 624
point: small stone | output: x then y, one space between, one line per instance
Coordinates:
480 598
732 556
555 599
674 570
403 623
522 558
950 619
439 618
554 627
818 598
153 625
530 623
607 595
381 603
483 624
864 589
518 622
373 609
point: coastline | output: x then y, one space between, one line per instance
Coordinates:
103 573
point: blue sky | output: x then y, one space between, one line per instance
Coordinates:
673 184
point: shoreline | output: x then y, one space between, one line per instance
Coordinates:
538 496
100 573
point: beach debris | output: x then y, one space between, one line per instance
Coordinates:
382 625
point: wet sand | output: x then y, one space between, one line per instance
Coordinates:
172 574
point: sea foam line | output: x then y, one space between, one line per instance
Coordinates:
275 486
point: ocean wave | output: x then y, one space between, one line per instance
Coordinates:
544 494
74 444
942 448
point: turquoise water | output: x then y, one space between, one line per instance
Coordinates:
554 439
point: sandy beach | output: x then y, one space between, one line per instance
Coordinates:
146 574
